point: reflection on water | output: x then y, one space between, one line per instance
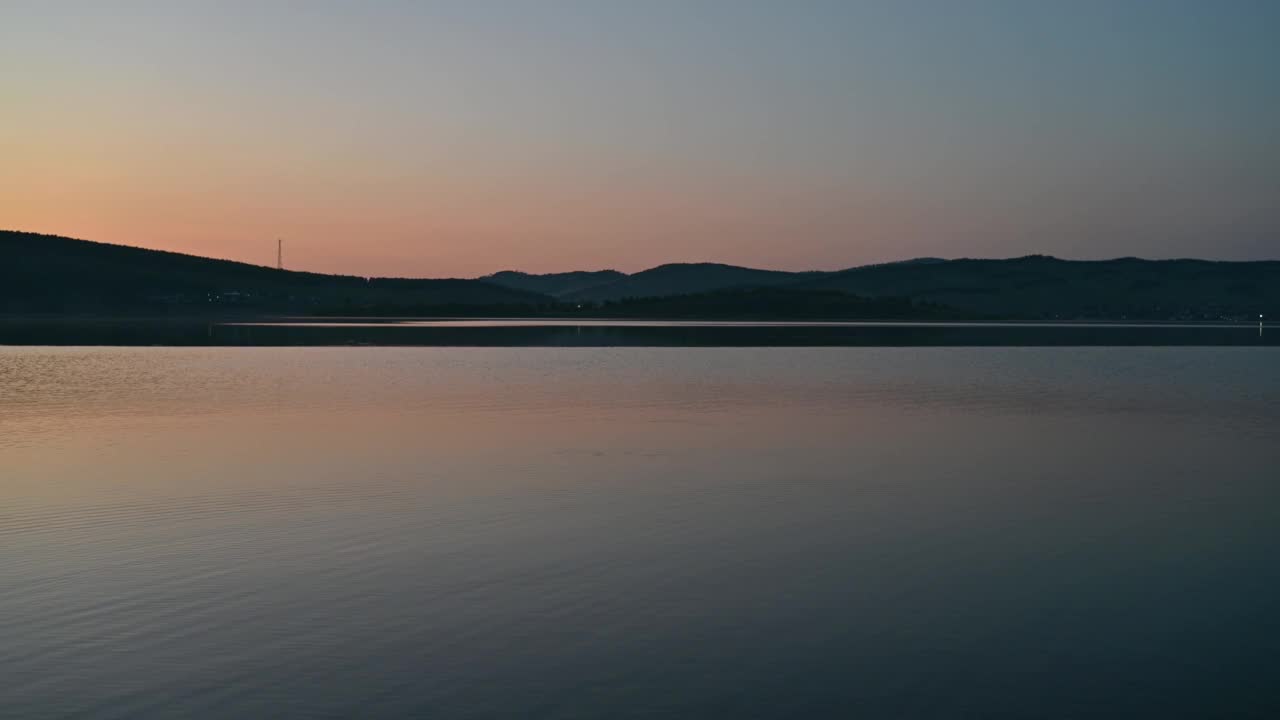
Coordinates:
610 333
618 532
559 322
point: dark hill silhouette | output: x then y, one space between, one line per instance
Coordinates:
48 273
743 304
775 303
554 284
662 281
685 279
1042 287
51 274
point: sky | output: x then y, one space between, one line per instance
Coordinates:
464 137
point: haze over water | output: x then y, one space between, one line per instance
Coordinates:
639 532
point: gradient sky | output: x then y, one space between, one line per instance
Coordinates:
460 138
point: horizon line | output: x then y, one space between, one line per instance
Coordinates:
845 268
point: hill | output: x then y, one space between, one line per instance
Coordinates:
774 303
1042 287
52 274
554 284
684 279
48 273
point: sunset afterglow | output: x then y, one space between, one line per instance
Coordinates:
454 139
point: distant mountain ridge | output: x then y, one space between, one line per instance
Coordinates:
52 274
554 284
662 281
1037 287
1044 287
683 279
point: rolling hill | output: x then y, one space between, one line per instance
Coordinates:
554 284
1042 287
684 279
774 303
48 273
667 280
52 274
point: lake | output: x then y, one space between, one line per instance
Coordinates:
685 532
548 332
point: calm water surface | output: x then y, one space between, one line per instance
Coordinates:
583 332
639 532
